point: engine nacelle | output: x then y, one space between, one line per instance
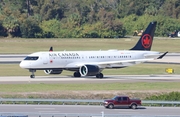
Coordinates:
89 70
53 71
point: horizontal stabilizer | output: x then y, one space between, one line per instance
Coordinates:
160 57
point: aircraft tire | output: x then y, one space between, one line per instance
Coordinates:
32 76
100 75
77 74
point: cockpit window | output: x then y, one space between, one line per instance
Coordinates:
31 58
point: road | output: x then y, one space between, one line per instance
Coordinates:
36 110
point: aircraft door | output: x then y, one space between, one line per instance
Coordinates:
45 58
82 57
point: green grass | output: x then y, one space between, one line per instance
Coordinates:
16 45
89 87
69 90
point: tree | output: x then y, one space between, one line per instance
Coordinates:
80 17
29 28
50 28
11 25
48 9
171 8
2 30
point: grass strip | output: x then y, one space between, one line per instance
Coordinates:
17 45
142 86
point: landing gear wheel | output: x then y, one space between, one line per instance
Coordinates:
77 74
32 71
100 75
32 76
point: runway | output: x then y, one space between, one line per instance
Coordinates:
69 79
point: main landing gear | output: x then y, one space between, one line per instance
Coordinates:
32 71
100 75
77 74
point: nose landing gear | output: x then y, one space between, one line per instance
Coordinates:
32 71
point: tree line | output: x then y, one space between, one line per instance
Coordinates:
86 18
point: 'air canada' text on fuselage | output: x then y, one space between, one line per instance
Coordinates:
63 54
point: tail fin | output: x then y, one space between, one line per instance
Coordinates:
145 42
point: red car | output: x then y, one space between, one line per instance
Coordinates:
122 102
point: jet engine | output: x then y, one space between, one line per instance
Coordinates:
53 71
89 70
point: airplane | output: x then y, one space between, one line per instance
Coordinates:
92 63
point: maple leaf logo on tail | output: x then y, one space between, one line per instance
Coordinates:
146 41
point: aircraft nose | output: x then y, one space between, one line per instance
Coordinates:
23 65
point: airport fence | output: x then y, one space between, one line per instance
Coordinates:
79 102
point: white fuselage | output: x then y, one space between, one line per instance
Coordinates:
72 59
91 63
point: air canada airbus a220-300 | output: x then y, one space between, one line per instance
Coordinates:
91 63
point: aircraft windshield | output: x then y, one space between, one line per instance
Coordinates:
31 58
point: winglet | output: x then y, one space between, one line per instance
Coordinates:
51 49
160 57
145 42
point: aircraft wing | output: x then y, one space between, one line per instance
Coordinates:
125 61
157 56
151 55
106 63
